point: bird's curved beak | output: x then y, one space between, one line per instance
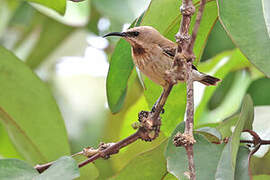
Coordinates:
121 34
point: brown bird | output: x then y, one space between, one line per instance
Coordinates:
153 54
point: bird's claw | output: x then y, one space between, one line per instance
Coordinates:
154 109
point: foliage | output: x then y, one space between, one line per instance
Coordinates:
35 126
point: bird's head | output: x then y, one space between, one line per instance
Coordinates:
141 35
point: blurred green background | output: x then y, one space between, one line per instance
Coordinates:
69 55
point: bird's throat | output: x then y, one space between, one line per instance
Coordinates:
138 50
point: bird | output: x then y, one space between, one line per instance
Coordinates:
153 54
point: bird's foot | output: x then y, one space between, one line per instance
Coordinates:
154 110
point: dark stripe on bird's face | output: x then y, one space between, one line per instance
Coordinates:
138 49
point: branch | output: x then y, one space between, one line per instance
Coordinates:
183 64
148 130
76 0
197 24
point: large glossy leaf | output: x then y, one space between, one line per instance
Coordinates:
227 163
206 157
121 66
148 165
29 112
57 5
246 22
120 70
15 169
167 22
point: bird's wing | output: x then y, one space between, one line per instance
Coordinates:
170 51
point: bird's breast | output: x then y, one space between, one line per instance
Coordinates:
152 63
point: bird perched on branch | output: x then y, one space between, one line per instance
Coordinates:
153 54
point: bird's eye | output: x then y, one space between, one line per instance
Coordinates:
136 33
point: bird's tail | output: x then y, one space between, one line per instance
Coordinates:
209 80
205 79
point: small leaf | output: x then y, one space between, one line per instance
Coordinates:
206 157
65 168
15 169
247 112
247 23
57 5
29 112
212 134
225 127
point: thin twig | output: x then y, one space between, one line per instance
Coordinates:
114 148
197 25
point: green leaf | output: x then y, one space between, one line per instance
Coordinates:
77 13
255 91
119 10
51 36
29 112
261 177
241 170
15 169
220 66
9 150
121 66
247 112
57 5
148 165
206 157
212 134
212 48
225 127
169 177
120 71
246 22
261 165
64 168
227 163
